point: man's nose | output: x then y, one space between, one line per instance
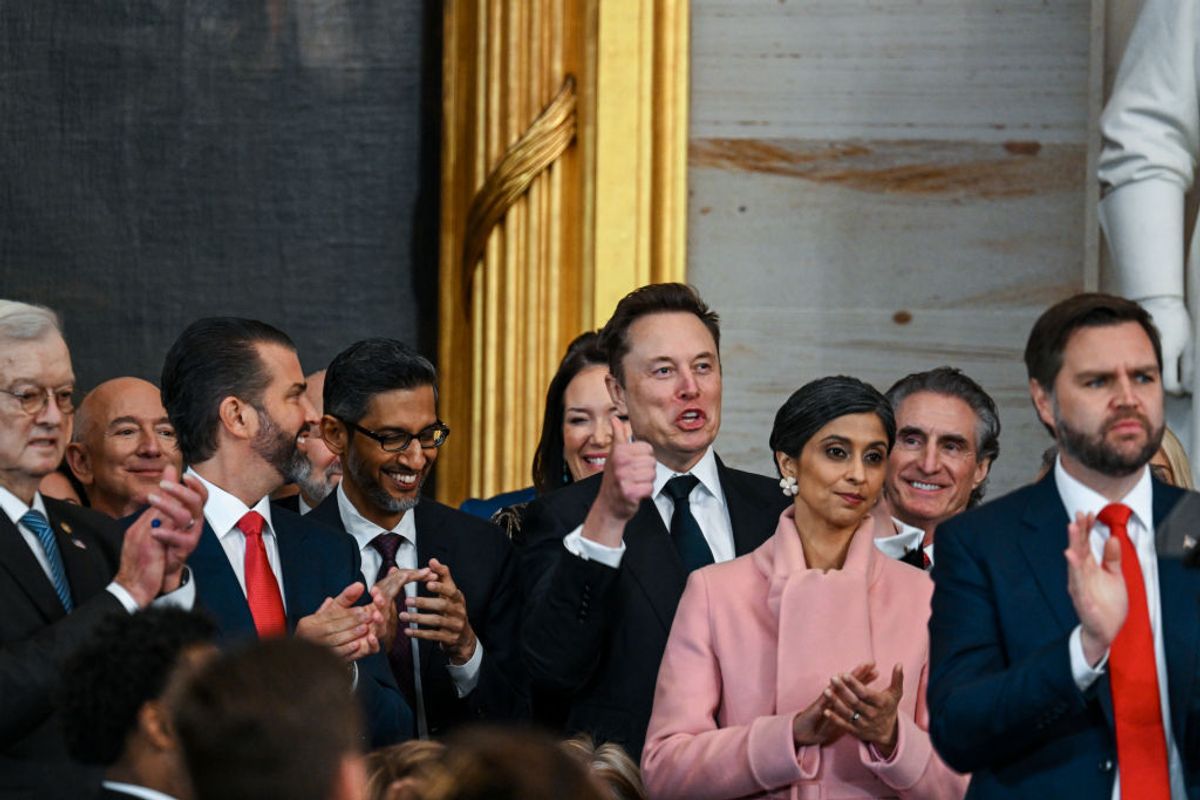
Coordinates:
688 387
148 444
311 417
929 458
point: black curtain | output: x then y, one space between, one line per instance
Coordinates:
162 160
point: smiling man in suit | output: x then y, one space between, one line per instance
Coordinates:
456 653
63 568
234 391
607 557
1055 676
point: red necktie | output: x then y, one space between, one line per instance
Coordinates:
1141 740
262 590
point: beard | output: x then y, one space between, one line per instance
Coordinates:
275 446
366 482
1093 451
315 485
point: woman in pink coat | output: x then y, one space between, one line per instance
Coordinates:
771 683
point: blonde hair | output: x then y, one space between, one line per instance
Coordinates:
609 764
390 764
1177 459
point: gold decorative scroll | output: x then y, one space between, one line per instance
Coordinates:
541 234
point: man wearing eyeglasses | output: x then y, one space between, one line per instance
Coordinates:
947 438
63 568
235 393
449 575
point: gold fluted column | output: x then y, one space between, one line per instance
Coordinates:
564 156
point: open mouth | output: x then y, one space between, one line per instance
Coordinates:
404 481
925 486
691 419
597 461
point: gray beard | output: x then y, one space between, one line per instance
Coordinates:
315 487
367 484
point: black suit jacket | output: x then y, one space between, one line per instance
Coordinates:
291 503
483 567
317 562
1002 702
36 635
593 635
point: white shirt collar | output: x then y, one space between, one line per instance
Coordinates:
1078 497
223 510
905 539
301 506
363 530
15 508
705 470
136 791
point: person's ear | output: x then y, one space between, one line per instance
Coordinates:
1043 402
350 782
335 434
617 392
981 472
155 725
787 465
238 418
80 463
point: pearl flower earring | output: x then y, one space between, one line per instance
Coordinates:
788 484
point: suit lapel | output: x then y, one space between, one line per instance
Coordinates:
748 519
301 576
1042 539
86 574
19 561
217 587
432 542
653 562
1178 587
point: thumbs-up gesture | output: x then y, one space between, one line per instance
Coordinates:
628 480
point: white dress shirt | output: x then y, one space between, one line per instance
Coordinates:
301 506
706 501
136 791
1079 498
223 511
465 676
14 508
905 539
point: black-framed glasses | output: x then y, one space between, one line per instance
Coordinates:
429 438
33 399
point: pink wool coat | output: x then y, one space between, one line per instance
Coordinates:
756 640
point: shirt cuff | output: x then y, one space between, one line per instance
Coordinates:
593 551
466 676
183 598
124 597
1083 672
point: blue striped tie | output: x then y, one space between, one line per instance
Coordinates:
34 521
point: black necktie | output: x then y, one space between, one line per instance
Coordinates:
400 653
685 531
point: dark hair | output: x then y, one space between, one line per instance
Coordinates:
214 358
1048 339
124 664
952 382
817 403
549 466
655 298
271 720
371 367
491 763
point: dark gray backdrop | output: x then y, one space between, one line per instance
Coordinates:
162 160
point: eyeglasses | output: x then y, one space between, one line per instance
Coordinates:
34 399
433 436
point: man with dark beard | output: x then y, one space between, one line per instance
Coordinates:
234 391
446 576
1050 675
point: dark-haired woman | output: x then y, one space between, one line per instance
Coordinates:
576 432
799 669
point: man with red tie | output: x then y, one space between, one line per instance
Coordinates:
235 393
1063 640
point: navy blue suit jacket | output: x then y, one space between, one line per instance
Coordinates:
1003 704
317 562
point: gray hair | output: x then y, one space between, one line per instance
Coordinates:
25 322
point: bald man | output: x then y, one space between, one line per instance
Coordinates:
324 469
121 444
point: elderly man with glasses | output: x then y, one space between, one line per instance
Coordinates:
64 568
447 577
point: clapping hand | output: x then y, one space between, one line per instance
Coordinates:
1097 590
870 716
340 625
812 726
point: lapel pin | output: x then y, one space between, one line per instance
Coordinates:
1189 543
66 528
78 544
